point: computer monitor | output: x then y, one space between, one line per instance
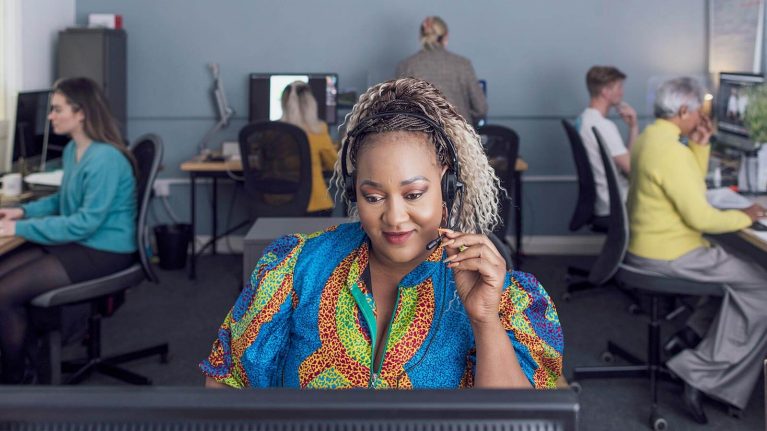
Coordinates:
266 91
730 108
199 409
34 143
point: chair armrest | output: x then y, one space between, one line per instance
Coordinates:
91 289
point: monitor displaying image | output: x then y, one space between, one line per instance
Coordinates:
266 93
732 102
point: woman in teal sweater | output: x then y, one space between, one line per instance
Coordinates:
85 231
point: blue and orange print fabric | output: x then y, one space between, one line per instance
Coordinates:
298 323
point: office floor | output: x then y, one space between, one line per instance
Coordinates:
187 314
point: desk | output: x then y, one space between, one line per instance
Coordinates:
8 243
216 170
747 241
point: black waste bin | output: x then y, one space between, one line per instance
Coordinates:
172 244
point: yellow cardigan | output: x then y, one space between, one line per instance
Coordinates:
667 205
324 156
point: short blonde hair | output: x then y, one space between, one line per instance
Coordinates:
433 32
299 107
479 212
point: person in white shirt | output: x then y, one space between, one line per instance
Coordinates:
605 85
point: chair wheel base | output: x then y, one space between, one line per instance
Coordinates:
576 387
734 412
657 422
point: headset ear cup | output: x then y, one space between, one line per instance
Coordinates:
349 188
449 184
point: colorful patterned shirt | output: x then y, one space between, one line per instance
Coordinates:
304 321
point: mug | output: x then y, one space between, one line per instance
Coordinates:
11 184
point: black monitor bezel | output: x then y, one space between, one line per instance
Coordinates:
723 76
44 405
48 133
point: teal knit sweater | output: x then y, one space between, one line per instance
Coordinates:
95 206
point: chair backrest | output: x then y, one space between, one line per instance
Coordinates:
276 163
616 243
587 192
502 149
148 151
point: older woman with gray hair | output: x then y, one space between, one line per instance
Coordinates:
668 215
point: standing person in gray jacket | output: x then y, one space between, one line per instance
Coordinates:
452 74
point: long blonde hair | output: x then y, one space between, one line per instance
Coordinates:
299 107
433 32
479 212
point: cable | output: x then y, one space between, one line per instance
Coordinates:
169 210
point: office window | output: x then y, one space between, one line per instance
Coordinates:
3 83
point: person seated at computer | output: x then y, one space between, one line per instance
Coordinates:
299 107
388 302
84 231
605 85
733 108
452 74
668 215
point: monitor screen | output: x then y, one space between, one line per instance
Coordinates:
200 409
33 139
732 103
266 91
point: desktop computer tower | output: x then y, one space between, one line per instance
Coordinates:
99 54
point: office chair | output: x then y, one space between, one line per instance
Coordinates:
104 295
583 214
656 286
276 163
502 149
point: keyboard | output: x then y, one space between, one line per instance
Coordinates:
725 198
52 178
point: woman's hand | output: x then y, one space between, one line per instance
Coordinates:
11 213
7 227
479 271
703 131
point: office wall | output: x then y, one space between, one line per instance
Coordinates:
534 55
41 21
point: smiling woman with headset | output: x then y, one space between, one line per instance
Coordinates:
394 300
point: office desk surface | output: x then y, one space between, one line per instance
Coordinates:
8 243
200 166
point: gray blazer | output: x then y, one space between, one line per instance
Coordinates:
452 74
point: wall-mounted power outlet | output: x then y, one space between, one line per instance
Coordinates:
162 188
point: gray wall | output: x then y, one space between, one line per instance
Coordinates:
534 55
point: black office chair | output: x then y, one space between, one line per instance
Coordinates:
104 295
583 215
656 286
276 163
502 149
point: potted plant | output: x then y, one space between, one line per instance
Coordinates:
755 118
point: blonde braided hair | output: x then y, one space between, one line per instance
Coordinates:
481 186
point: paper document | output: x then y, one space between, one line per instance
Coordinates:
52 178
724 198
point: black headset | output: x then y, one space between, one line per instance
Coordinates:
451 183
